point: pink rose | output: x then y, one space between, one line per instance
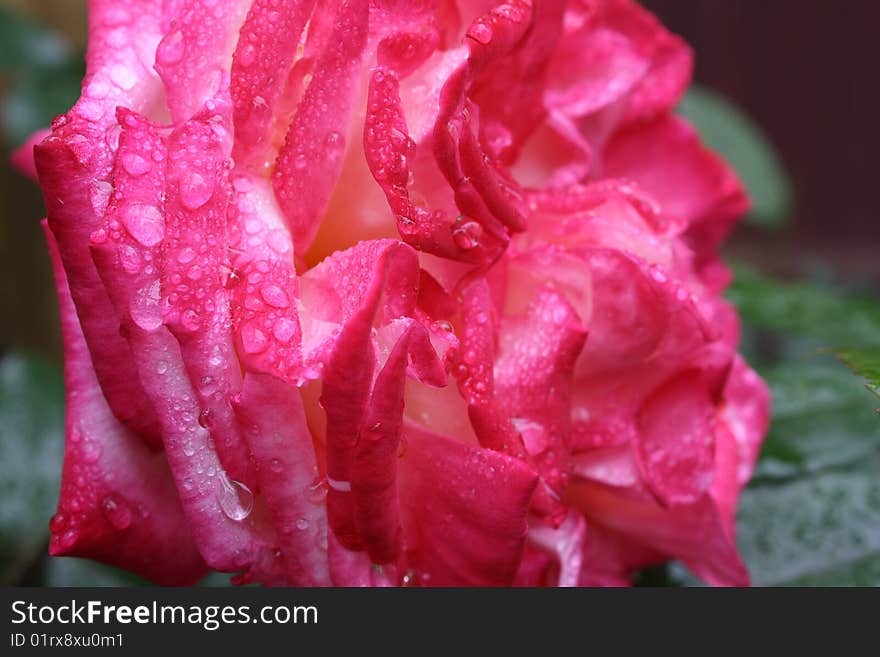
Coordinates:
394 292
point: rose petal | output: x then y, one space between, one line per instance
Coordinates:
311 159
463 511
274 424
118 503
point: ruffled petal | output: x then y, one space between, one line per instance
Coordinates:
463 510
274 424
311 159
118 503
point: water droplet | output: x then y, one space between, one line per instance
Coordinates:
236 500
274 296
144 223
195 191
186 255
99 196
161 367
658 275
171 48
302 524
68 538
99 236
207 385
284 329
247 55
276 466
123 77
216 358
480 32
205 419
145 309
253 339
189 318
116 511
91 452
57 522
134 164
317 491
130 259
467 234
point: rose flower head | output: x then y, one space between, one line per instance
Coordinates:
394 293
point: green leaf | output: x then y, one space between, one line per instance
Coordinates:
822 418
727 129
834 317
26 45
819 529
31 447
70 571
865 364
44 75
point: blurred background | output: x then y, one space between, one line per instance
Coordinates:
785 89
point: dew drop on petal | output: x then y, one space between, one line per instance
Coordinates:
236 500
145 309
274 296
116 511
253 339
123 77
57 522
195 191
144 223
134 164
480 32
467 235
284 329
247 55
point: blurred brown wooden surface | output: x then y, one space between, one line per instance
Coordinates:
806 71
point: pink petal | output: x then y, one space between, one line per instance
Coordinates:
533 378
267 46
694 533
195 53
262 284
210 502
746 412
195 306
312 156
274 424
374 470
74 168
118 503
463 511
566 543
690 183
349 372
675 447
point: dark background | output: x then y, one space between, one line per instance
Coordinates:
807 72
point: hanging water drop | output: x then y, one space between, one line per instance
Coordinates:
116 511
236 500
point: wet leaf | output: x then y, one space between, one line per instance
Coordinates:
31 447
